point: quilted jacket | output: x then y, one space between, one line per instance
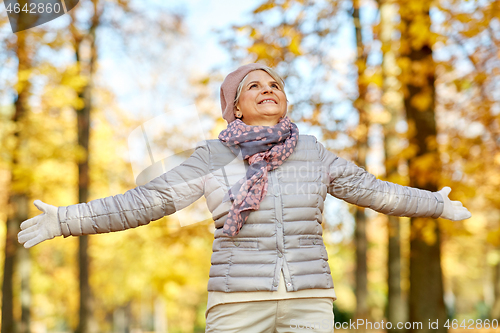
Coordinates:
284 234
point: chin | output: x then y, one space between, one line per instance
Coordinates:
272 112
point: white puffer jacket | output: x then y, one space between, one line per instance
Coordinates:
284 234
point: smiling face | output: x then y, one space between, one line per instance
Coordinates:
261 102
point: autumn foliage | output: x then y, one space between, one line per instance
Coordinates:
407 88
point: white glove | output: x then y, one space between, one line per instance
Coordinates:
39 228
453 210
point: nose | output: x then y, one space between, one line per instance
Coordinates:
266 89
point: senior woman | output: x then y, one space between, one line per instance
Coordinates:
265 186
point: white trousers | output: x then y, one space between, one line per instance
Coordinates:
279 316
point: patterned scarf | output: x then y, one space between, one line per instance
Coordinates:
266 148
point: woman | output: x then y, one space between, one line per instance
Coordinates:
265 186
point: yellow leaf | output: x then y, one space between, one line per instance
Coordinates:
264 7
464 18
295 45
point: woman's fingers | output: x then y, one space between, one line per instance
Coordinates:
465 213
445 190
31 236
34 241
40 205
33 228
30 222
25 236
461 213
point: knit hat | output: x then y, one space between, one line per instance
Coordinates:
229 87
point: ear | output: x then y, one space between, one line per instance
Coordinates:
237 113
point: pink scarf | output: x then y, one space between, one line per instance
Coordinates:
266 148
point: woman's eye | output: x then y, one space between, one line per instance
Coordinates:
253 85
275 85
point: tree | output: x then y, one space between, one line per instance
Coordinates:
18 198
418 78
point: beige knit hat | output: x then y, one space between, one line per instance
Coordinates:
229 87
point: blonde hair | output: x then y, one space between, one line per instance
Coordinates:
268 70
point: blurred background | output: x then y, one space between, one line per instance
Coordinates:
407 89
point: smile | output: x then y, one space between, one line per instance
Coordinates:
268 101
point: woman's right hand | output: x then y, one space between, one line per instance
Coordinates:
40 228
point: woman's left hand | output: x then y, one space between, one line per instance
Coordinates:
453 210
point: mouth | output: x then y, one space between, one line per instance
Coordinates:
268 100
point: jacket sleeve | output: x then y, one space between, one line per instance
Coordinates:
357 186
162 196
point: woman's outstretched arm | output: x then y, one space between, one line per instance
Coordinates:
359 187
162 196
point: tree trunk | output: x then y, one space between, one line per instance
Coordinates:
18 204
393 104
8 272
24 264
360 239
86 322
426 282
395 304
83 119
361 265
